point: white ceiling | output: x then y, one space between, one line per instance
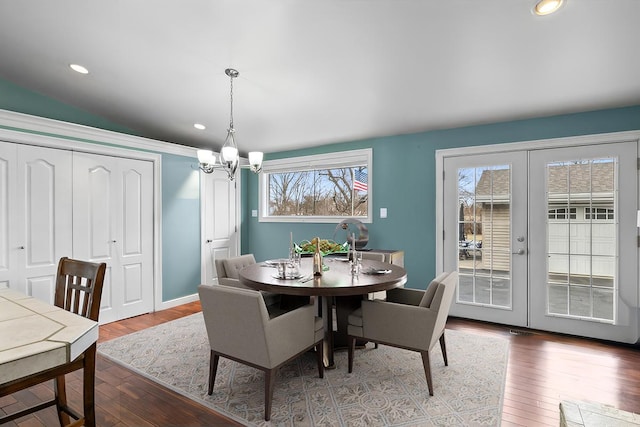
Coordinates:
319 71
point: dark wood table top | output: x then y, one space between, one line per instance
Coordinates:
337 281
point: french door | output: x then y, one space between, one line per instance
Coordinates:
584 277
545 238
485 231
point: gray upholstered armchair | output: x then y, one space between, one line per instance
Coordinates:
227 270
409 318
240 329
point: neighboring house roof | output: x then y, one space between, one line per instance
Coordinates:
594 178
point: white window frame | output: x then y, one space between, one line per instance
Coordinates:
341 159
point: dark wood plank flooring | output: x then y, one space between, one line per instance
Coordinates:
543 369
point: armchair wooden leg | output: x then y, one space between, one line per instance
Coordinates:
351 349
269 380
213 369
427 370
443 347
320 357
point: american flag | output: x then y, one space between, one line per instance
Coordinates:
360 180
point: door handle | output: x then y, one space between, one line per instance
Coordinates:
519 252
209 241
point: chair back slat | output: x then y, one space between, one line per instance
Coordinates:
79 287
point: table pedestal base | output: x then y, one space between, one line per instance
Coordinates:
337 339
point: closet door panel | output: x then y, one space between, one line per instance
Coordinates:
133 286
133 212
113 205
136 235
100 220
8 249
43 217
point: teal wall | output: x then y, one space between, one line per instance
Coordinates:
180 227
404 182
21 100
180 190
403 179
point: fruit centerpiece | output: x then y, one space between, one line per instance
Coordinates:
326 247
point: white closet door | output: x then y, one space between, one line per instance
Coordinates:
8 245
219 222
113 223
36 204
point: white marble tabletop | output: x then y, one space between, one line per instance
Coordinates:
36 336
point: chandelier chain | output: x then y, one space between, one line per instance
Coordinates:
229 159
231 104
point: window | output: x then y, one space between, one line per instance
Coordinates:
562 213
318 188
598 213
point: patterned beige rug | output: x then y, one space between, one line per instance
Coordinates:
387 387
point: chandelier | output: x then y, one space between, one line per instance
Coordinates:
229 159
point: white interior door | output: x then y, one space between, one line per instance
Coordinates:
8 235
37 218
583 276
485 235
113 223
219 221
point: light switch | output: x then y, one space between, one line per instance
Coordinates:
254 213
383 212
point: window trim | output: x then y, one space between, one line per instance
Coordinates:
340 159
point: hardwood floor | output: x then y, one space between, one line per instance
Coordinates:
546 368
543 369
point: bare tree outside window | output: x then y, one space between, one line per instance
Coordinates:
327 187
323 192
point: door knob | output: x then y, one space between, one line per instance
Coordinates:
209 240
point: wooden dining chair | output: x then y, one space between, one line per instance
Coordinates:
78 290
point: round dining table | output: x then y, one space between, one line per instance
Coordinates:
336 285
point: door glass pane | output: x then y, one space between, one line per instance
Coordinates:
484 235
581 238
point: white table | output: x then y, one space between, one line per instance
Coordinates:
36 336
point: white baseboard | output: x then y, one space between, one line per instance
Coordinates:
178 301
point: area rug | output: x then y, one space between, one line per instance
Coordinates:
387 386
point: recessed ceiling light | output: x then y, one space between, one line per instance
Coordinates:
547 7
199 126
79 68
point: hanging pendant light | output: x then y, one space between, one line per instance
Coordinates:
229 154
